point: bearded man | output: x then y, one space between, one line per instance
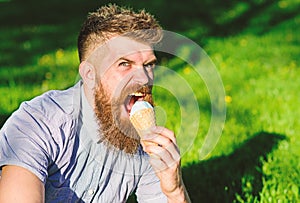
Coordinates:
78 145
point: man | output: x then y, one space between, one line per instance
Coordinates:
78 145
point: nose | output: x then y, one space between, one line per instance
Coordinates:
142 76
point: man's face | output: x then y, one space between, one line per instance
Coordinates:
124 76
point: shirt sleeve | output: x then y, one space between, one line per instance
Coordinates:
149 190
24 142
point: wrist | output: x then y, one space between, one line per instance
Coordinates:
179 195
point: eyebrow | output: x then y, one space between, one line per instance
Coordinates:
154 60
125 59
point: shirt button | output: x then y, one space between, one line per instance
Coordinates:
91 192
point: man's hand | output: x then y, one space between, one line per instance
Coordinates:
160 144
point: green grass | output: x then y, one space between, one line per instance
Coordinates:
260 75
256 159
53 70
257 156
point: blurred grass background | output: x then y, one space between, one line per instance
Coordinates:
255 46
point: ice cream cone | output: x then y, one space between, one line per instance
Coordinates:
143 120
142 117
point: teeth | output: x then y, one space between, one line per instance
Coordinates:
137 94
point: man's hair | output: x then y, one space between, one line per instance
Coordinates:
113 20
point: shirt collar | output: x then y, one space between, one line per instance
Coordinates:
89 118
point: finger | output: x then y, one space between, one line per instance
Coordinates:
174 151
163 154
164 132
157 164
145 143
163 142
157 138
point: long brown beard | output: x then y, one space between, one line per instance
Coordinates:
115 131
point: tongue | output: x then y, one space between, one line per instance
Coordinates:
131 102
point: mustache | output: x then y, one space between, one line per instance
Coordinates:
126 93
136 89
145 89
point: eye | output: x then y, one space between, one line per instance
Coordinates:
124 65
149 66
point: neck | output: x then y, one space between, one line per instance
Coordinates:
89 94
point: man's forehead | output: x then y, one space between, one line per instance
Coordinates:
116 48
122 46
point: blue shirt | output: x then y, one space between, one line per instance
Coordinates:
56 137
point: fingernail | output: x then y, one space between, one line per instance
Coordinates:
153 128
147 136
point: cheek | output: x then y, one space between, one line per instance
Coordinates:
111 83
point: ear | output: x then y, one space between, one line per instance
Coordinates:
88 74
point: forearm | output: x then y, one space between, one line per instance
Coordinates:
180 195
165 160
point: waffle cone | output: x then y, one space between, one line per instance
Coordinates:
143 120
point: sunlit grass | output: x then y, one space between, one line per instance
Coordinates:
56 70
261 76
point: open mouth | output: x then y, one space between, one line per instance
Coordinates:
132 98
143 94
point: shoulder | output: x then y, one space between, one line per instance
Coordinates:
39 130
50 116
55 103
